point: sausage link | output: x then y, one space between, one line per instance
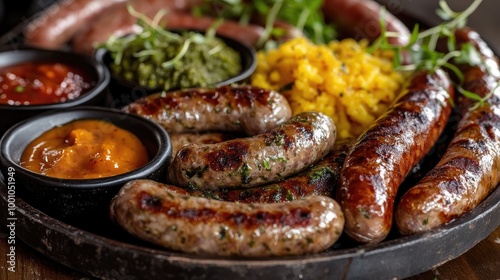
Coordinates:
384 155
361 19
211 227
119 23
320 179
55 26
235 108
470 168
60 23
253 161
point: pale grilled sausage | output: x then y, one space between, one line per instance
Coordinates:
235 108
253 161
384 155
210 227
470 168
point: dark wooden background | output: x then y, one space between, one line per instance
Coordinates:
482 262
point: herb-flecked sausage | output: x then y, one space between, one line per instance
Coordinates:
320 179
246 162
384 155
470 168
210 227
61 22
234 108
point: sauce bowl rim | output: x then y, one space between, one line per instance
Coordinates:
26 54
157 161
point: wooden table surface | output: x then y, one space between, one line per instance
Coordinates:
482 262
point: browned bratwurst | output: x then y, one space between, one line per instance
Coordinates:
320 179
470 168
206 226
384 155
56 25
361 19
247 162
235 108
119 22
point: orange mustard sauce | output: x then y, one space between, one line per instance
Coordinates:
84 149
35 83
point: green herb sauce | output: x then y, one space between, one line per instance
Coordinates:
157 58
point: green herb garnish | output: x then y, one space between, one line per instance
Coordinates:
305 15
422 46
158 58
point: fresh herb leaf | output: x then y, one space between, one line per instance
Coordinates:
305 15
422 46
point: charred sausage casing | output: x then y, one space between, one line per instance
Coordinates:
236 108
470 168
205 226
320 179
384 155
247 162
180 140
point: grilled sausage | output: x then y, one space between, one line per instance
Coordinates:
56 25
470 168
234 108
383 156
210 227
320 179
119 22
253 161
361 19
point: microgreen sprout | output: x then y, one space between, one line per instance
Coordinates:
153 35
304 15
421 47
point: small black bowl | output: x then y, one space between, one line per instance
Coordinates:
95 96
124 92
79 198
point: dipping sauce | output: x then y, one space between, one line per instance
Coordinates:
35 83
175 61
85 149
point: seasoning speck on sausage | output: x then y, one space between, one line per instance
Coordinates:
235 108
211 227
252 161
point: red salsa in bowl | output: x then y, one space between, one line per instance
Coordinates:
34 83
